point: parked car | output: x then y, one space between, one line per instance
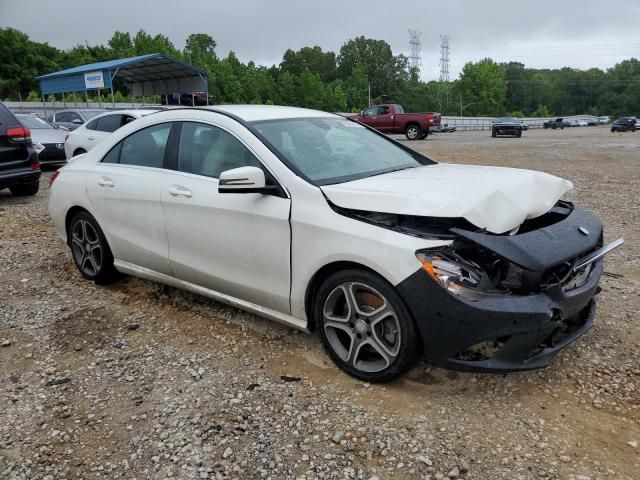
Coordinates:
390 118
592 122
326 225
506 126
525 125
603 120
48 139
446 128
73 118
624 124
582 123
188 99
91 133
19 166
569 123
554 124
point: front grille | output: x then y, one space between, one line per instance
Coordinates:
51 153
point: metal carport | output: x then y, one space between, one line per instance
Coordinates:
151 74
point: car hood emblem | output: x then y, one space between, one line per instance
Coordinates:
583 231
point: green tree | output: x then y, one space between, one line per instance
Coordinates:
483 88
385 71
312 58
357 88
542 112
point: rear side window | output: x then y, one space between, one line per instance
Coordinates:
145 148
207 150
63 117
109 123
92 125
6 117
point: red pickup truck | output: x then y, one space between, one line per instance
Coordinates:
390 118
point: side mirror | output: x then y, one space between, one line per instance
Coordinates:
244 180
77 121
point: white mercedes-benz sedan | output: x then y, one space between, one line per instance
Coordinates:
321 223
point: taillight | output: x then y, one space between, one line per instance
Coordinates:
19 134
35 165
53 177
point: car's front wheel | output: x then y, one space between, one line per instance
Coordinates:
365 326
90 250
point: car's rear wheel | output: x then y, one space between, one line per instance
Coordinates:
413 132
25 189
79 151
90 250
365 326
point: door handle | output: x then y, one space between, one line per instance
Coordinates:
106 182
180 191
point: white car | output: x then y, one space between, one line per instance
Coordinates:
583 123
89 134
326 225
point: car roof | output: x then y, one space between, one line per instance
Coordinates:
133 113
256 113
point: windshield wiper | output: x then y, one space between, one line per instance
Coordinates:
391 170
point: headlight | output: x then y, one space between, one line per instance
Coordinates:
458 276
38 147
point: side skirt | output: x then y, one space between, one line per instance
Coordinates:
136 271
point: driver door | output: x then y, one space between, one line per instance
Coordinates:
233 243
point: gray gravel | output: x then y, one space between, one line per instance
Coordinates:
136 380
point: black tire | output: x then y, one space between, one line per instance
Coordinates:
413 132
519 134
90 249
79 151
613 130
494 134
394 331
562 127
25 189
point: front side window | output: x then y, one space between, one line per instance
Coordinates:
109 123
144 148
92 125
207 150
335 150
370 112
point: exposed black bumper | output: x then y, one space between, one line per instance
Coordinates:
526 331
52 154
18 176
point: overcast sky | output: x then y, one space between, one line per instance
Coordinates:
539 33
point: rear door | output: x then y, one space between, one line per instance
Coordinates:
125 190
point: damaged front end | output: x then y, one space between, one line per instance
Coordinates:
487 302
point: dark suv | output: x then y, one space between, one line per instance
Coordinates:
19 166
624 125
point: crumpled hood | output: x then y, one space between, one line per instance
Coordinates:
494 198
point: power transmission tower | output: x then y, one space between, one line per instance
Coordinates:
444 58
415 60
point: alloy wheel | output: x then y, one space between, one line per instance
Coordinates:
361 327
86 247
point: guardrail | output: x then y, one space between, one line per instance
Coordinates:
44 109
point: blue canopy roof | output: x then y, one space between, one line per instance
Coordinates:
151 74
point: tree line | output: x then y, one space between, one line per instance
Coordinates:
364 69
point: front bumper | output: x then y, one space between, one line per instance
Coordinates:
530 329
506 333
52 154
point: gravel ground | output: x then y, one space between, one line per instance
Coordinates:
136 380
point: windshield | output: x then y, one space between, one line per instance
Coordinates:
507 120
33 123
335 150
